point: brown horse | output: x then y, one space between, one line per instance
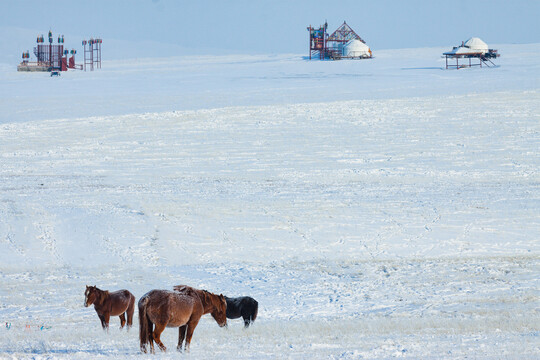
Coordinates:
107 304
164 308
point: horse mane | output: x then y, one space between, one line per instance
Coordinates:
102 295
207 296
204 295
185 289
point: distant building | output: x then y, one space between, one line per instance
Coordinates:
472 49
343 43
54 58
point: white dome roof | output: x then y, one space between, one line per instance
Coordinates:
356 48
356 45
475 43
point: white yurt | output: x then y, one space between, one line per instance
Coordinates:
477 45
356 49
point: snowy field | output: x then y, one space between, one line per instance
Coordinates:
375 209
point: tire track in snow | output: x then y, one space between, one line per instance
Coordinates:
45 227
9 239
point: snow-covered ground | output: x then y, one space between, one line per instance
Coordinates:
375 209
202 82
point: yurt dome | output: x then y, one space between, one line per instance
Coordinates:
356 48
475 43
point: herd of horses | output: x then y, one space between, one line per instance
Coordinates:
180 308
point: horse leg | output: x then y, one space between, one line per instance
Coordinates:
157 333
102 319
247 321
122 320
191 325
246 315
106 318
181 335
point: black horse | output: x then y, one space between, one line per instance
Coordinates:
243 306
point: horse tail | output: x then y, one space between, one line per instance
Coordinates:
255 311
144 323
130 310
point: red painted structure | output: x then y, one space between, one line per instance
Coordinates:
326 46
317 41
50 57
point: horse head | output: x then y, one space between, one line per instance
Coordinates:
216 304
90 295
220 309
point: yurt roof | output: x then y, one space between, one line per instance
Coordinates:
356 45
476 44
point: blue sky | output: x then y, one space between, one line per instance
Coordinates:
276 26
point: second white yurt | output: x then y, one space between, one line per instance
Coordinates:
477 45
356 49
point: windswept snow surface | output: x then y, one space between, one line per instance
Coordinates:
375 209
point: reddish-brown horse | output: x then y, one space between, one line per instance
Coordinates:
118 303
159 309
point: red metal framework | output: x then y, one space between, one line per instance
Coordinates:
49 57
97 53
92 53
341 36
